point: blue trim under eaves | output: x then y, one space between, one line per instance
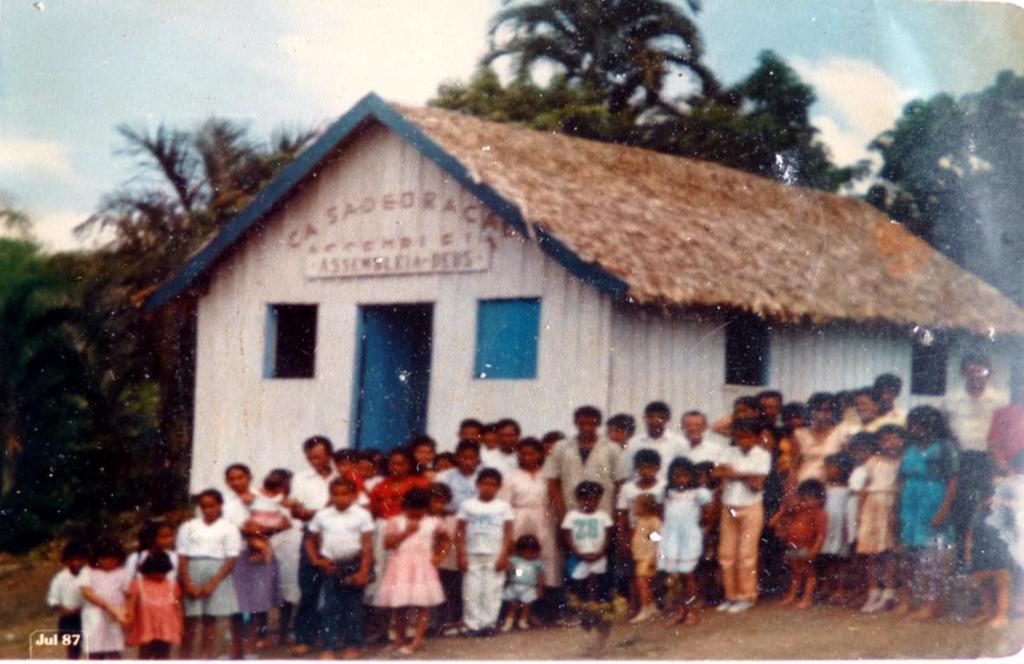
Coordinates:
372 106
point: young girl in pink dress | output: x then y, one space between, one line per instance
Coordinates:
154 608
417 543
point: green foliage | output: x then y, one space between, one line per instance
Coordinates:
44 392
951 172
625 48
761 125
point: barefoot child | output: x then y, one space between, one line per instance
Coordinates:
418 542
104 587
645 481
339 541
833 563
876 536
644 548
207 548
525 582
801 525
586 532
682 535
65 595
154 608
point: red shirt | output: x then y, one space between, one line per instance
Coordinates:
1006 433
386 497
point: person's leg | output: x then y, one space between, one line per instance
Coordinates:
209 625
188 637
494 583
420 616
691 598
472 583
794 584
728 545
285 613
510 615
809 581
307 619
237 636
981 581
524 614
1001 580
751 520
398 626
160 649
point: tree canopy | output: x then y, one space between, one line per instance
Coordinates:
951 172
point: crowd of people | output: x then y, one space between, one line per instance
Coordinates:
843 499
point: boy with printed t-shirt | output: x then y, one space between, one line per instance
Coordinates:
483 541
586 532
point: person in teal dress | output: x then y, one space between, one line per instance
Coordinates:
928 477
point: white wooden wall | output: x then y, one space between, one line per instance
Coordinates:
242 416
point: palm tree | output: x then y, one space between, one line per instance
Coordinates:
625 47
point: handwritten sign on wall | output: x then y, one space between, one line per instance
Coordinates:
408 232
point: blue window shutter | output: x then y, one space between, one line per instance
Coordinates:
270 343
506 339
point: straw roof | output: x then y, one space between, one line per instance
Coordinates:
687 233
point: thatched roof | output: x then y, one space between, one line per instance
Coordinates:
691 233
669 231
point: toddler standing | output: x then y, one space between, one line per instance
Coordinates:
154 608
876 536
833 563
525 582
682 536
801 525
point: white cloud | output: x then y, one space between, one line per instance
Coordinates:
19 154
857 101
401 49
54 229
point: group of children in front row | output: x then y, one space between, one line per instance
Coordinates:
883 507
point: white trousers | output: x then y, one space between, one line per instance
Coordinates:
481 592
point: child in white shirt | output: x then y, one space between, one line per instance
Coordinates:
483 542
65 595
586 532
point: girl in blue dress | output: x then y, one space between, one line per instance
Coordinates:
928 475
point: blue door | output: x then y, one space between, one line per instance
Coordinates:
393 374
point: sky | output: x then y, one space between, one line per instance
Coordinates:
71 71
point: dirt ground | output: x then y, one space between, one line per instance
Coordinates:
765 632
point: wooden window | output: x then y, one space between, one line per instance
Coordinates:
928 366
747 341
290 341
506 339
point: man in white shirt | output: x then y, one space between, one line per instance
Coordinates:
743 469
700 449
311 493
969 413
667 443
502 457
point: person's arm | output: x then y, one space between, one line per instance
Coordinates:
187 586
393 538
570 545
362 576
723 427
819 541
129 607
555 496
540 585
947 501
218 578
90 596
506 547
460 544
312 544
442 547
622 523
